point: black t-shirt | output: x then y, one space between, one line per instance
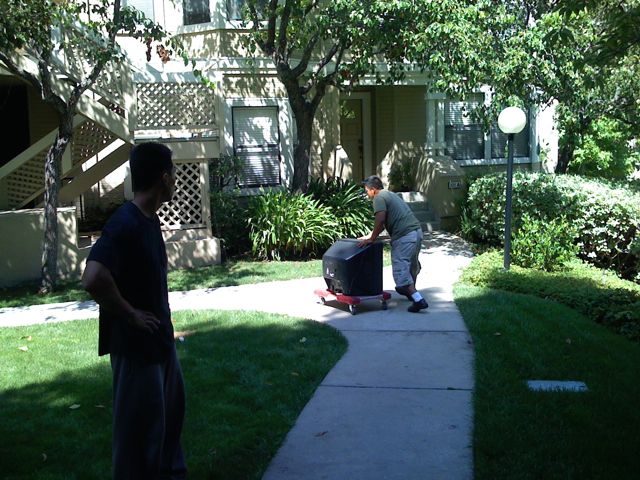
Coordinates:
132 248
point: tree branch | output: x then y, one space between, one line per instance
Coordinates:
327 58
24 74
84 84
306 56
46 86
284 25
328 79
271 24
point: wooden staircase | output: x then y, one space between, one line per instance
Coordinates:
103 134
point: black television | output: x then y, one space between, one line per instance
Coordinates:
353 270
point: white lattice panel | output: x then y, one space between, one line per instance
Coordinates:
26 181
89 139
112 81
185 210
170 105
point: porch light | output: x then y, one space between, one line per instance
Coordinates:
511 121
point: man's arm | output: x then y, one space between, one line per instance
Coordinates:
378 227
98 281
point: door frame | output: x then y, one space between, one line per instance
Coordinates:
367 154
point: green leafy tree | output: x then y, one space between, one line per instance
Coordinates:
316 45
604 151
41 29
582 54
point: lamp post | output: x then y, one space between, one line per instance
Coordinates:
511 121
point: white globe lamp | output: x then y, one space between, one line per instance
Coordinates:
512 120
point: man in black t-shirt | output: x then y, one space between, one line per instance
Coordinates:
126 274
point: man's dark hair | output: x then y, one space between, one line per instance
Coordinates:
373 182
149 161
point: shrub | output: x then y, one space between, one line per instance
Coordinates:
289 225
224 172
598 294
606 216
228 209
347 203
229 222
402 177
544 245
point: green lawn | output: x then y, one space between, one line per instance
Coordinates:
520 434
598 294
232 272
247 375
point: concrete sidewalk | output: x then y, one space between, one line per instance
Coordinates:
396 406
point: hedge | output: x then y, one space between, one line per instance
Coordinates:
605 215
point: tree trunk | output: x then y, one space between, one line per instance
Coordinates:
302 152
52 169
570 140
565 155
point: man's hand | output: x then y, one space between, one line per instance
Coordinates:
143 320
98 281
364 241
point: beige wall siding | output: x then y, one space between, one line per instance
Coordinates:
215 44
410 114
21 261
384 125
252 86
400 126
326 134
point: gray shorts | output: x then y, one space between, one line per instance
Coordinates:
404 258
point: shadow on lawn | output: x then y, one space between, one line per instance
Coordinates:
212 277
245 386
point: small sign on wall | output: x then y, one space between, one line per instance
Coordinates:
455 184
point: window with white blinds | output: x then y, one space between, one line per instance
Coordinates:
463 134
196 11
256 141
521 146
145 6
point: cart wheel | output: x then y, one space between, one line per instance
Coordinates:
323 300
384 305
352 309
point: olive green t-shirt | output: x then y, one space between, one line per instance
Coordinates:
400 219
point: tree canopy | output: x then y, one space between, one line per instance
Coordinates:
320 44
581 54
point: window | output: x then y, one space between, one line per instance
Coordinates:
196 11
256 141
499 143
145 6
463 134
234 8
